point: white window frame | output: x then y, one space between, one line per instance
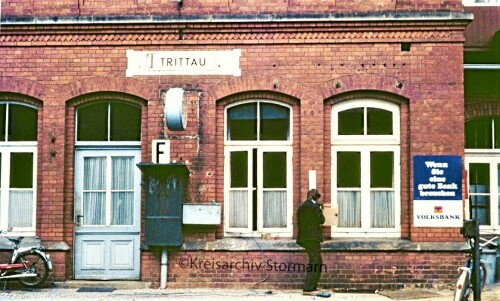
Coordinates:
123 144
6 152
365 144
108 153
6 149
262 146
492 160
485 3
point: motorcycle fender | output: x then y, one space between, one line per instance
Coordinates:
46 257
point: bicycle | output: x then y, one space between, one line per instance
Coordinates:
465 283
30 266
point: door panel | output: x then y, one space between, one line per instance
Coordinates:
93 254
107 214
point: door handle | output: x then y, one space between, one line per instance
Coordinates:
77 221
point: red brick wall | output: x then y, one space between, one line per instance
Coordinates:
197 7
362 271
298 63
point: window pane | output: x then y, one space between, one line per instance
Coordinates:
21 170
238 209
479 186
21 208
382 209
122 173
94 208
349 209
3 110
348 169
92 124
274 122
478 133
242 122
239 169
22 123
496 124
379 122
351 122
381 169
122 208
479 178
125 122
94 173
274 209
480 208
274 170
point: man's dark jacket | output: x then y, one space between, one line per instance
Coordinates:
310 218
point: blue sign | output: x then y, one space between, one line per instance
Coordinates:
437 178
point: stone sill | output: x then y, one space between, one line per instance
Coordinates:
336 245
58 246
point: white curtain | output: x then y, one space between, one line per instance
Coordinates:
94 195
21 208
122 197
94 208
274 209
238 209
382 209
349 209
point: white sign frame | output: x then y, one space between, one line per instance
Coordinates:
212 62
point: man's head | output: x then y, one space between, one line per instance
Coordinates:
313 194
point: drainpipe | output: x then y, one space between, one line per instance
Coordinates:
163 271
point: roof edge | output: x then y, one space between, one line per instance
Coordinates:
254 18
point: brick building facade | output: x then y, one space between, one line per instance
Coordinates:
87 82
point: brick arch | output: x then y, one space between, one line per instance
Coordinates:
144 88
276 85
366 82
9 96
475 110
105 95
19 86
267 95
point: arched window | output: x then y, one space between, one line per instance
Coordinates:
258 169
365 168
258 121
482 162
108 121
18 157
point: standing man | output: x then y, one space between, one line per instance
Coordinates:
310 220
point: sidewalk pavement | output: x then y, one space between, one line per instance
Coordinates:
106 291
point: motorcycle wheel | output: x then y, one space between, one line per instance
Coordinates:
36 265
462 287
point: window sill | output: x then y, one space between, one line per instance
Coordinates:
6 245
334 245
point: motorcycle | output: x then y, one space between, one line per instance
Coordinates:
30 266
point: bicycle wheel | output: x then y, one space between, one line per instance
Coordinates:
462 287
483 274
35 264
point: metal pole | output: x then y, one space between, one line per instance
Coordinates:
163 269
476 260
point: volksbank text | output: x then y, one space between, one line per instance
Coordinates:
268 265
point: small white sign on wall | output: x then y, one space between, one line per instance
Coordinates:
160 151
214 62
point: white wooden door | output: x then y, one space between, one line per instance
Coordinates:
107 214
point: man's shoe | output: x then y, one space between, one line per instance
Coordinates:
324 294
310 293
